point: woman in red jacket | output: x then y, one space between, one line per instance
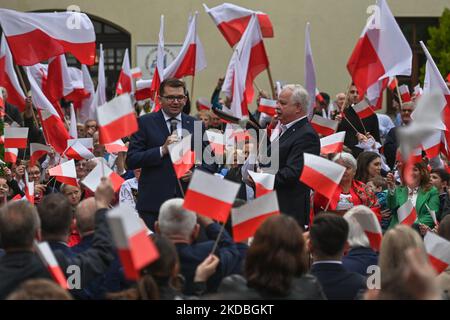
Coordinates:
349 193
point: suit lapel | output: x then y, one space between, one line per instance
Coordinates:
162 124
292 129
187 124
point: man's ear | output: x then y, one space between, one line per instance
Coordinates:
38 235
157 230
346 247
195 232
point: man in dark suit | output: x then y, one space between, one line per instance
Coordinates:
328 241
149 150
297 137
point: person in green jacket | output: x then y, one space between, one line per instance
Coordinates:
418 189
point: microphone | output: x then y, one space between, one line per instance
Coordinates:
173 125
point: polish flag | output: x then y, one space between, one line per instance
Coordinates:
65 173
78 151
143 90
432 145
319 96
321 174
247 218
323 125
35 37
87 108
333 143
135 248
8 77
11 155
73 132
100 93
310 72
29 189
55 132
438 250
191 58
210 196
418 91
183 158
404 93
37 151
393 83
250 58
125 82
369 223
363 109
79 93
264 182
88 143
407 213
232 21
216 141
372 59
116 119
48 258
435 83
136 73
116 146
203 104
268 106
93 179
158 75
16 137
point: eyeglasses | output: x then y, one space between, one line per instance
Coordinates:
173 98
407 111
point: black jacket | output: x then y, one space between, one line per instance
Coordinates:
370 124
304 288
390 147
338 283
12 114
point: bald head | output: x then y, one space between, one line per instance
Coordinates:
85 216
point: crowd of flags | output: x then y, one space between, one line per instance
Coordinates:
30 38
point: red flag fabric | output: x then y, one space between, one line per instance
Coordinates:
125 82
183 158
369 223
264 183
268 106
49 260
16 137
93 179
37 151
323 125
438 250
65 173
363 109
333 143
407 213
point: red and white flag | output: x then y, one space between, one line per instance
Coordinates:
87 142
203 104
158 75
100 93
8 77
73 132
392 83
435 83
116 146
264 182
65 173
78 151
135 249
116 119
53 126
93 179
87 107
268 106
136 73
210 196
183 158
79 93
29 189
417 91
232 21
216 141
310 72
333 143
372 58
11 155
247 62
432 144
323 125
404 93
369 223
407 213
48 258
191 58
438 250
247 218
35 37
363 109
143 90
16 137
37 151
125 82
321 174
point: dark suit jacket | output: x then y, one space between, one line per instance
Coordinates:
158 181
359 259
338 283
293 196
390 147
370 124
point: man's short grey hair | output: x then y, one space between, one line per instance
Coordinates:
356 235
173 219
299 95
347 158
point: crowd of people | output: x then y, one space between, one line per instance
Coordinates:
315 249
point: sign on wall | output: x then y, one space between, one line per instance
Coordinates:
146 57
